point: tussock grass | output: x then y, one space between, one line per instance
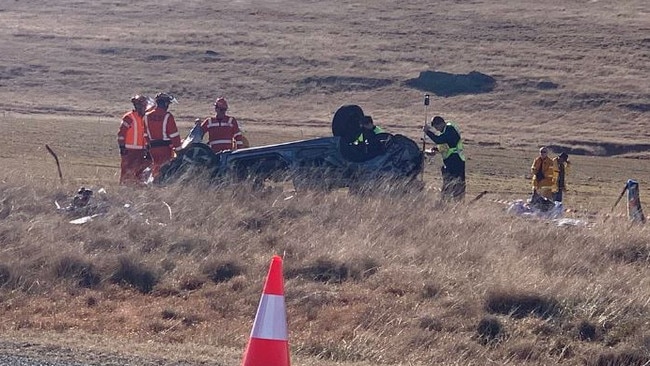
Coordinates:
374 278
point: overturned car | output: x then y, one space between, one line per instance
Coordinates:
320 163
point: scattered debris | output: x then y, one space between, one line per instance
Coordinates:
80 200
527 209
569 222
80 206
83 220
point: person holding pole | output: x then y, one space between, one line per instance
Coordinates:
561 166
450 145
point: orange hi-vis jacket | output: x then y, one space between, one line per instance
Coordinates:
161 128
132 133
223 134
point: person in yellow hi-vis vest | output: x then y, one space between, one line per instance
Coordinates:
450 145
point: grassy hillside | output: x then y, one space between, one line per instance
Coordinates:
174 274
381 280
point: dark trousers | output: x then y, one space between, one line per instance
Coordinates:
453 178
557 196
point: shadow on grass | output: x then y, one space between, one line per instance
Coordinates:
520 305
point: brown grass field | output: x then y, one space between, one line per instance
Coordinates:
369 280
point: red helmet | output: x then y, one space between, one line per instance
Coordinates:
221 103
139 100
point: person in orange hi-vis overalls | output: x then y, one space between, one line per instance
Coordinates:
223 130
163 135
131 139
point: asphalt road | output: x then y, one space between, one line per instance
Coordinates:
31 354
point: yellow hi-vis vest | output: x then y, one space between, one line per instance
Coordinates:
361 139
446 150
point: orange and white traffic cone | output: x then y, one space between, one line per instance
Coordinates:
269 342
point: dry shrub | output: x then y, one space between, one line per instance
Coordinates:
430 290
430 323
322 270
222 271
158 327
189 245
620 358
75 268
169 314
104 245
134 274
153 242
362 268
631 253
191 283
333 351
562 349
489 330
586 331
91 301
165 291
520 305
523 351
5 274
255 223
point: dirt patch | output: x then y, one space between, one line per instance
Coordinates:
598 148
637 107
334 84
446 84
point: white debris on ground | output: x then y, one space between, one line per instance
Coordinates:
569 222
523 208
554 214
85 207
84 219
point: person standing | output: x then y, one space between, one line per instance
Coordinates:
131 140
542 172
223 130
163 135
561 166
450 145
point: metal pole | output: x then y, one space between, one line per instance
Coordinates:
424 135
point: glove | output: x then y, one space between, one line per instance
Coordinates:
122 150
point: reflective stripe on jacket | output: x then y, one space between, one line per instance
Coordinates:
223 134
446 150
362 138
161 125
131 133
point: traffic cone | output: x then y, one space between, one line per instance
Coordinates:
269 344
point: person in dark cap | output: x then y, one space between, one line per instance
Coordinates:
449 144
561 166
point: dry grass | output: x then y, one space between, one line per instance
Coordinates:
369 280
